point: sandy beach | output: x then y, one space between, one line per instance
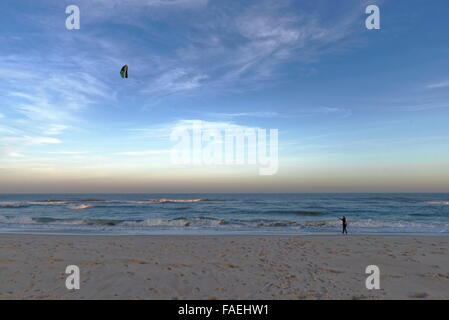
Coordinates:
224 267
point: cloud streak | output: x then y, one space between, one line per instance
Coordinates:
438 85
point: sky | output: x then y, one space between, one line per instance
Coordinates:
356 110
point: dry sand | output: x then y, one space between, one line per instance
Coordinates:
223 267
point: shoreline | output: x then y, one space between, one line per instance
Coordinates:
223 267
230 234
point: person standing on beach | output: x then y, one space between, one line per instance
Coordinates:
344 224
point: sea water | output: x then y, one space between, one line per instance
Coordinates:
159 214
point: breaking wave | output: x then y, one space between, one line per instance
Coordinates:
441 203
177 200
175 223
13 205
80 207
17 220
49 202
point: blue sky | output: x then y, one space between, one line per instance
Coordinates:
356 109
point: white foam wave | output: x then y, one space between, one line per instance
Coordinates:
441 203
47 203
17 220
177 200
173 223
9 204
376 224
80 207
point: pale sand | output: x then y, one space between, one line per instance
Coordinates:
224 267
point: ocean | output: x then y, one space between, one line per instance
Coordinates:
246 214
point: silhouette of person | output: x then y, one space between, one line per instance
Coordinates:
344 224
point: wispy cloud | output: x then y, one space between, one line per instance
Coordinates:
438 85
56 129
68 153
336 111
162 134
175 81
164 130
151 3
126 11
45 97
256 114
247 47
143 153
9 152
26 140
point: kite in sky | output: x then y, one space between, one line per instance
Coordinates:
124 72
